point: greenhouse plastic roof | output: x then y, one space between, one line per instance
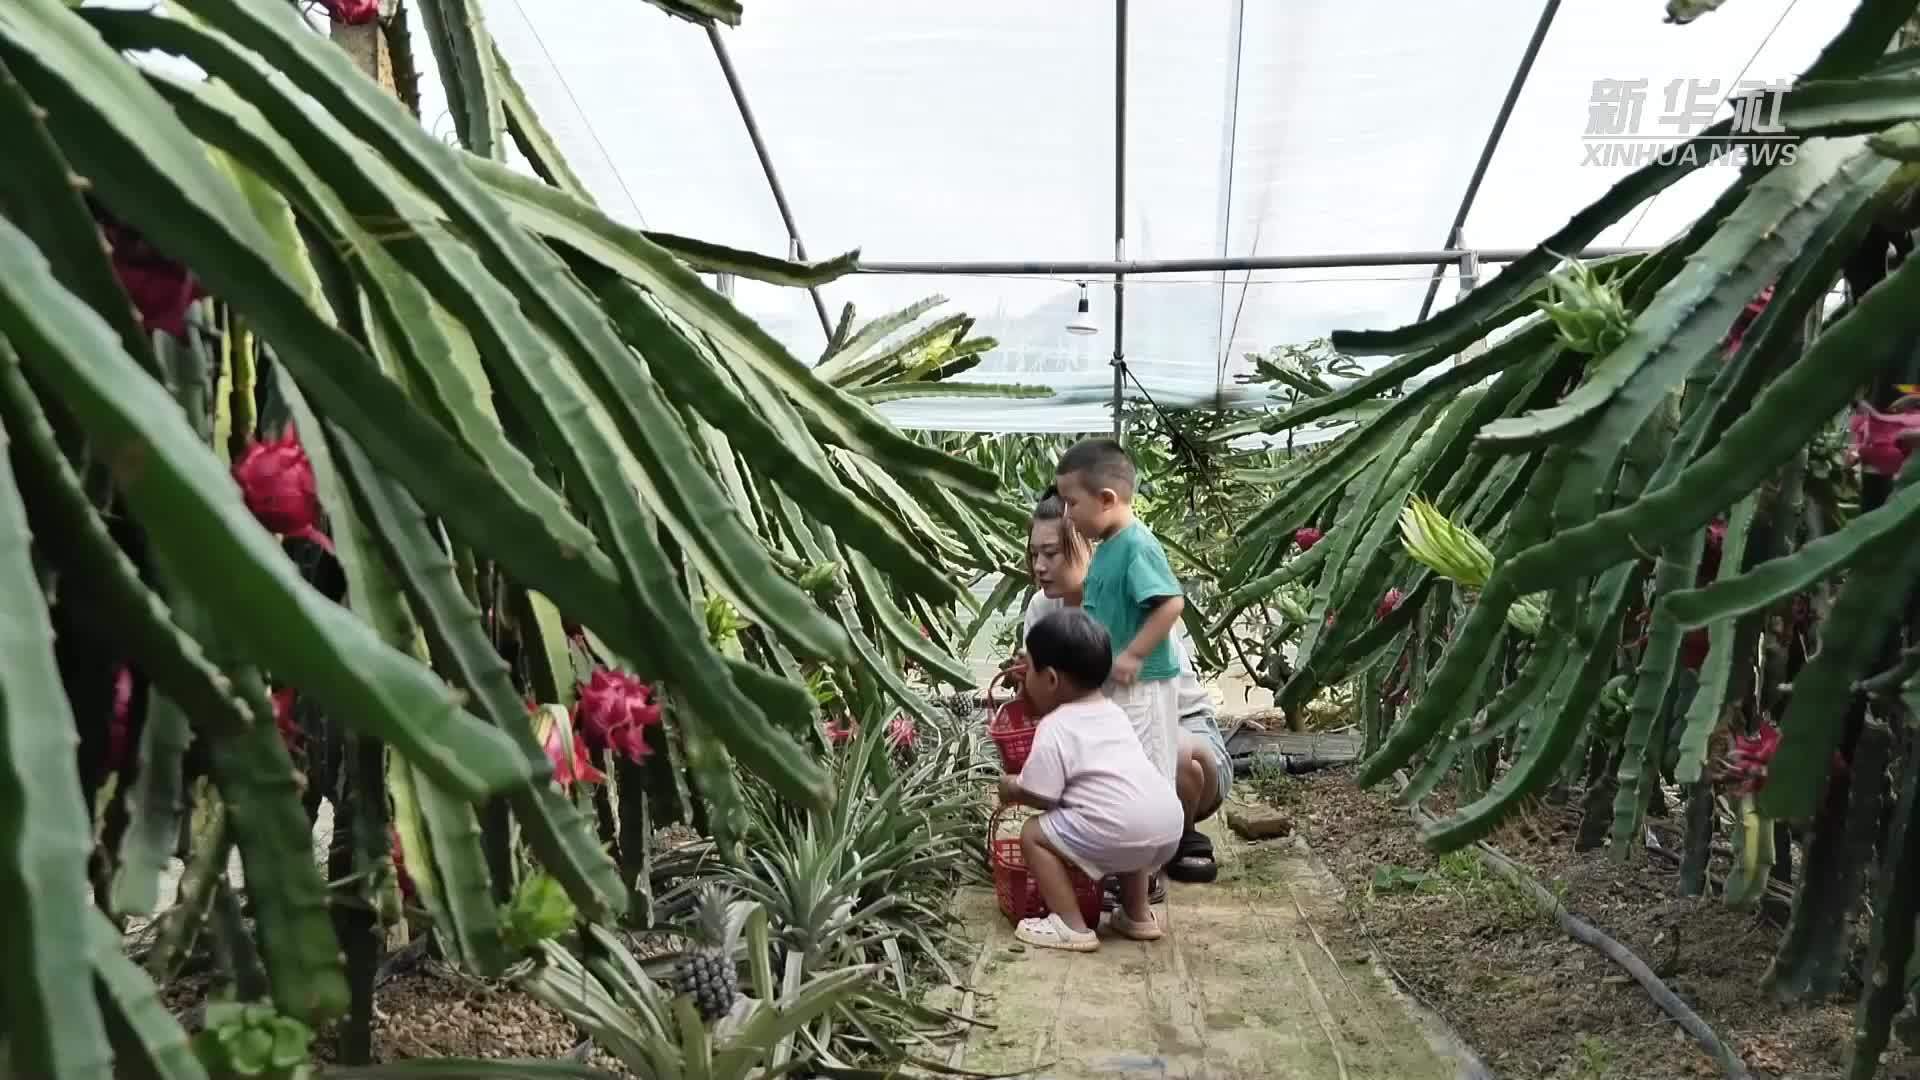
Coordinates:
916 131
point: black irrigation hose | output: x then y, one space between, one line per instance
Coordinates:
1598 940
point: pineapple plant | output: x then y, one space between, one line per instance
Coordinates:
706 972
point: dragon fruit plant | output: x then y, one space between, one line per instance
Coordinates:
1691 496
214 339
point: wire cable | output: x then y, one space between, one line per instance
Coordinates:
584 120
1757 49
1226 210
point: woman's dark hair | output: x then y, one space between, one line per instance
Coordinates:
1070 642
1052 508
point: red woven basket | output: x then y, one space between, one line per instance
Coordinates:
1019 896
1011 731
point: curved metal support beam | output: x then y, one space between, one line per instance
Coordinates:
766 166
1514 87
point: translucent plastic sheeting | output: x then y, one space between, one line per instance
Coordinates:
914 131
1538 177
1165 314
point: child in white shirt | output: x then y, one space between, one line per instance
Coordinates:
1108 809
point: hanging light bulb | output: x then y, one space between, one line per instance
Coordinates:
1082 322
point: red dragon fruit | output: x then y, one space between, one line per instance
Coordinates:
568 768
1746 764
290 732
1389 604
840 730
276 481
1694 647
1745 322
353 12
1307 537
161 290
1880 441
614 711
120 728
1710 554
400 867
1695 644
900 732
566 747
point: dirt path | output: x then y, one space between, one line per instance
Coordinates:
1245 985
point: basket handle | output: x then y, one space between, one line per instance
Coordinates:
998 680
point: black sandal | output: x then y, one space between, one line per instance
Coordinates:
1193 860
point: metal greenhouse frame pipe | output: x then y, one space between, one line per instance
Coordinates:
766 166
1119 213
1098 268
1514 87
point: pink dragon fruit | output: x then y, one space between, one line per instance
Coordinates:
1746 764
1880 441
353 12
276 481
614 711
900 732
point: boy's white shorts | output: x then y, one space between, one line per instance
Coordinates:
1101 863
1153 707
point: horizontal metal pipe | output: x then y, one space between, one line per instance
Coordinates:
1102 268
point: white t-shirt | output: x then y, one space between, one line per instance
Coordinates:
1109 800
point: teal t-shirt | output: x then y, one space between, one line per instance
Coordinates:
1128 572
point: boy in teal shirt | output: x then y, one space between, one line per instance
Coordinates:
1131 591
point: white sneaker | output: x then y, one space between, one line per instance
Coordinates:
1053 933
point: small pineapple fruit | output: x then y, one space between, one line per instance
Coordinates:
707 972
